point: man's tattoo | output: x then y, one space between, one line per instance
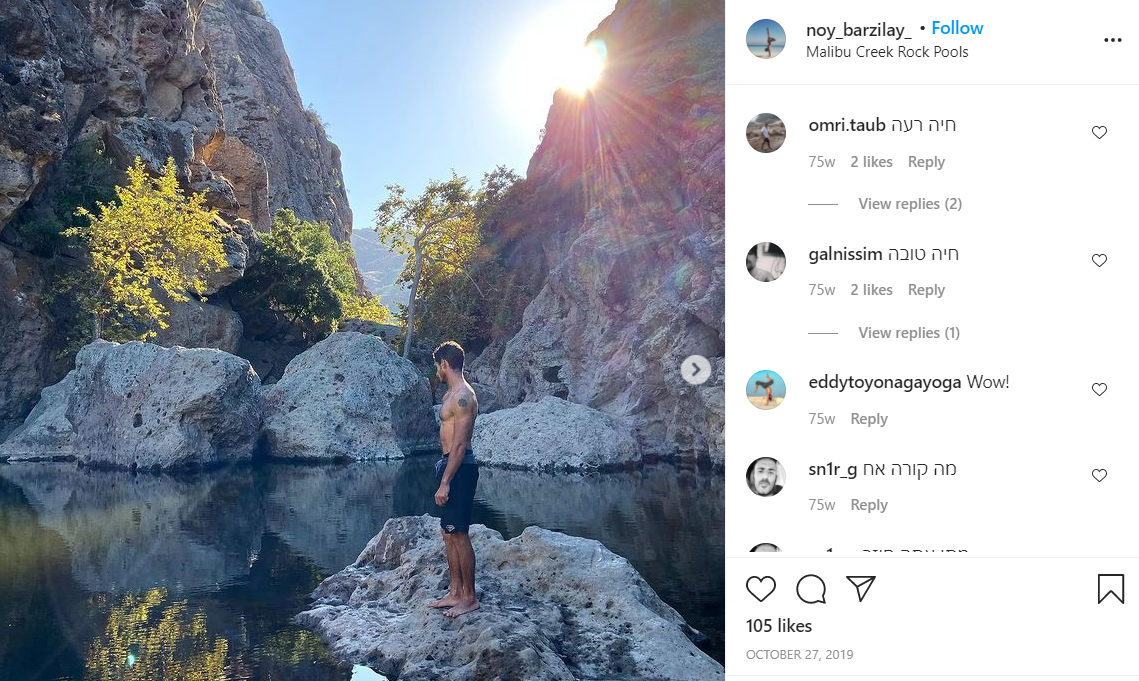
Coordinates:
463 402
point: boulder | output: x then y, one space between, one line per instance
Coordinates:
143 406
553 607
553 434
350 396
242 245
46 434
196 324
488 398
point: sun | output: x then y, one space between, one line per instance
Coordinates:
550 53
581 71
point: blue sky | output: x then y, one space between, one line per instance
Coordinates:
757 33
412 89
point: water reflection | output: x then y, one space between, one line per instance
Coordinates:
329 513
104 575
131 533
148 638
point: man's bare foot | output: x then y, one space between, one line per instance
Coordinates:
462 608
444 602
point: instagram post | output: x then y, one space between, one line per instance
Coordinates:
567 340
362 340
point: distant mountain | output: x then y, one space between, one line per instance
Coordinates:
379 267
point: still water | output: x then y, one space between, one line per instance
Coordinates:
111 576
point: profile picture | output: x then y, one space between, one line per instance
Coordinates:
766 261
766 132
766 548
766 38
765 477
766 389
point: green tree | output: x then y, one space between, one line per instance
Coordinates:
438 231
307 276
154 237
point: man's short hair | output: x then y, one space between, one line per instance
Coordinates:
452 352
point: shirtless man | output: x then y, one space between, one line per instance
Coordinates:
457 474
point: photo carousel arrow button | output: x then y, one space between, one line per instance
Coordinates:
696 369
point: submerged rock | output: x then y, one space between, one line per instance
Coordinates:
553 434
350 396
139 405
553 607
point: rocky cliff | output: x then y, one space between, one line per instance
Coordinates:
269 131
207 83
619 228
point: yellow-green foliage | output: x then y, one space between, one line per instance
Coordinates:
366 308
455 280
148 637
154 237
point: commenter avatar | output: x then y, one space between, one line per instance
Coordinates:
766 389
765 476
766 261
766 133
766 38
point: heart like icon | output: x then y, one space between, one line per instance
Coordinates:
1099 131
1099 474
1099 388
1099 259
759 589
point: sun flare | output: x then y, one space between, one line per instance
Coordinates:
547 55
583 70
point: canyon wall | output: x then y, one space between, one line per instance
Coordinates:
206 83
619 227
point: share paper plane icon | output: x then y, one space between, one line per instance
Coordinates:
862 585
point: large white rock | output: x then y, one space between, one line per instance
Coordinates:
553 607
553 434
350 396
139 405
46 434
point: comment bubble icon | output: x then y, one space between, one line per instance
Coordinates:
812 589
